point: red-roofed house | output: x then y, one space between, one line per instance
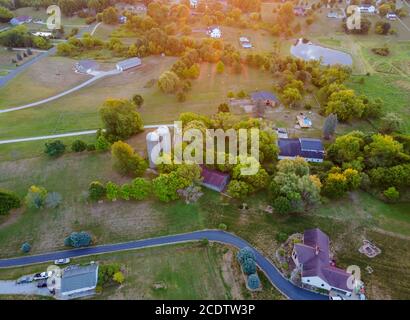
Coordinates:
214 179
313 259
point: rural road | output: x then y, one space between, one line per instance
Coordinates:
70 134
283 285
62 94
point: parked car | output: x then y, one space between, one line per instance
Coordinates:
62 261
24 279
391 16
43 275
42 284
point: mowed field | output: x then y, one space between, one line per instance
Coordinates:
189 271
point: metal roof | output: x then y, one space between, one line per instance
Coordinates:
311 144
77 277
129 63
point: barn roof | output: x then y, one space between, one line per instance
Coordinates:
214 179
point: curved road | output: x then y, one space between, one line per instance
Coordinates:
283 285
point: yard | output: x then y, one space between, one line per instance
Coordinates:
188 271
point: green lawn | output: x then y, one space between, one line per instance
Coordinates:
188 271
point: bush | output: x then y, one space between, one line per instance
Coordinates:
245 253
8 201
102 144
25 247
391 194
281 237
222 226
78 146
36 196
254 282
118 277
181 96
249 266
54 149
53 200
96 191
282 205
205 242
78 239
91 147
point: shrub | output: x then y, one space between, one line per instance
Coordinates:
138 100
54 149
113 191
78 146
8 201
281 237
282 205
245 253
53 200
102 144
35 197
254 282
25 247
391 194
91 147
106 273
249 266
139 189
78 239
205 242
222 226
118 277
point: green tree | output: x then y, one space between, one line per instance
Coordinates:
138 100
244 254
335 185
220 67
347 148
118 277
96 191
169 82
110 16
120 119
78 240
112 191
254 282
282 205
391 122
291 96
391 194
345 104
25 247
238 189
329 127
5 15
126 161
383 151
54 149
140 189
249 266
8 201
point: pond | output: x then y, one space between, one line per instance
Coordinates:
306 50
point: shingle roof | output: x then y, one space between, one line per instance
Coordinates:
78 277
313 254
264 95
214 179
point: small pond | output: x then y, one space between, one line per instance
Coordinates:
306 50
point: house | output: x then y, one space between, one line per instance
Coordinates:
310 149
214 180
78 281
128 64
312 258
269 99
214 32
367 8
245 43
86 66
20 20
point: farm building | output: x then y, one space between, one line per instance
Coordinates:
269 99
20 20
128 64
86 66
214 180
78 281
311 150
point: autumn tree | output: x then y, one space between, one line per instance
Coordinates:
126 161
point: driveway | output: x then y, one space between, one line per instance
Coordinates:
275 277
10 287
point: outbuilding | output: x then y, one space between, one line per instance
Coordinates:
128 64
86 66
78 281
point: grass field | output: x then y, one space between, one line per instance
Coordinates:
188 271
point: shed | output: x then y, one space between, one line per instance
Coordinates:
128 64
86 66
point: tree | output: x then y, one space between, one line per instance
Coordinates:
96 191
238 189
335 185
112 191
78 239
282 205
118 277
165 186
382 151
329 127
54 149
345 104
249 266
126 161
391 122
286 14
139 189
25 247
35 197
291 96
5 15
138 100
254 282
78 146
347 148
169 82
120 119
244 254
102 144
53 200
8 201
110 16
220 67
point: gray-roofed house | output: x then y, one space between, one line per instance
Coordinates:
128 64
311 150
78 281
17 21
86 66
312 258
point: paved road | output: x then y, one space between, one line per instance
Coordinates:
4 80
62 94
282 284
70 134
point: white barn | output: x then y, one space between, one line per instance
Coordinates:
128 64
